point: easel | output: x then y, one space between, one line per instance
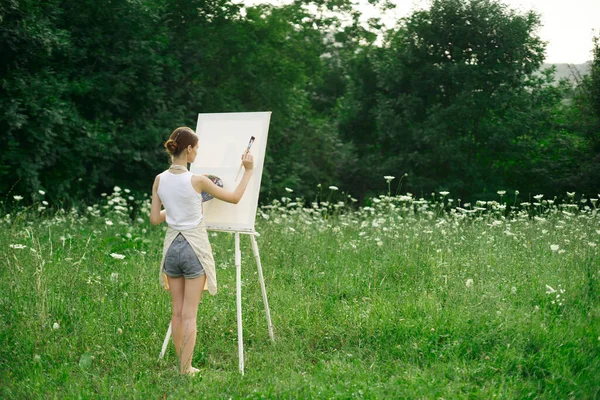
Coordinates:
238 269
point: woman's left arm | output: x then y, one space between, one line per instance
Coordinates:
156 214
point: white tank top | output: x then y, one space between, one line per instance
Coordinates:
182 202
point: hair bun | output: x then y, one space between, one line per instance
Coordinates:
171 146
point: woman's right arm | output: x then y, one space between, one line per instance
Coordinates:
206 185
156 215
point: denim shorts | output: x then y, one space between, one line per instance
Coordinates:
181 260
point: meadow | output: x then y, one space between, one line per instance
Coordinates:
403 298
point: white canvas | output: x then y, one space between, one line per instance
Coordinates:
222 139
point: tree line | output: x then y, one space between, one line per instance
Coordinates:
452 96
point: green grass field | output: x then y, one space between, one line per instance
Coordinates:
406 298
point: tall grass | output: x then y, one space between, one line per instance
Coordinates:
409 298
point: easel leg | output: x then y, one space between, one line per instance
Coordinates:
165 343
262 285
238 268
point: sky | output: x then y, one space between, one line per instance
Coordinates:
567 25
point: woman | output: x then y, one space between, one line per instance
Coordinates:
187 265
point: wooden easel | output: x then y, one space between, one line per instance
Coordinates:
238 268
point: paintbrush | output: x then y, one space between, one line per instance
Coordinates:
246 152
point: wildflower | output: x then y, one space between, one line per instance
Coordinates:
109 222
554 247
127 191
41 192
592 244
389 178
292 229
469 282
18 198
334 188
17 246
120 331
550 289
55 326
116 189
44 202
444 193
37 358
114 277
538 197
319 185
501 192
516 192
571 194
289 190
117 256
513 290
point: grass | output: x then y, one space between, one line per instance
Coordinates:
407 298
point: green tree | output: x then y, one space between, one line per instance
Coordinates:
446 80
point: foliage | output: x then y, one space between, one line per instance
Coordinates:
452 96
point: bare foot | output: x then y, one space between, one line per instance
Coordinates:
192 371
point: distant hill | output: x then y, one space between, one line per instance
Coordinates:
567 70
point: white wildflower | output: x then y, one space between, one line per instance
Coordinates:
120 331
334 188
287 189
444 193
17 246
41 192
114 277
109 222
389 178
554 247
116 189
591 244
55 326
117 256
513 290
550 289
18 198
501 192
516 192
469 283
44 202
571 194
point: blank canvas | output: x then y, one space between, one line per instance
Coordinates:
222 139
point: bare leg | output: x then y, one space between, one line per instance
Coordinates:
177 286
192 294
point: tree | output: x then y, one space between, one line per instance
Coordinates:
447 78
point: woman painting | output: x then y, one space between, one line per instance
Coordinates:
187 266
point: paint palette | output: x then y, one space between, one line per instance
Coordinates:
217 181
